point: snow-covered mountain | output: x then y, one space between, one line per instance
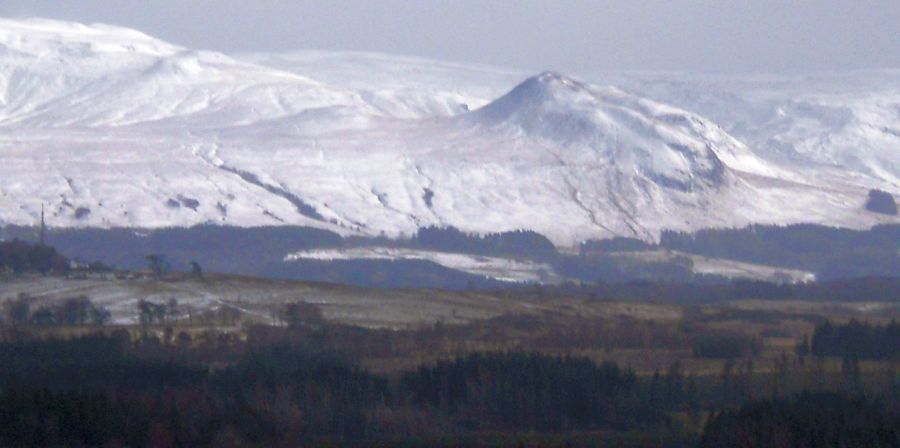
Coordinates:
110 127
846 120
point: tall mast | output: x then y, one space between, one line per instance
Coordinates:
43 226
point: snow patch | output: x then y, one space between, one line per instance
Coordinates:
503 269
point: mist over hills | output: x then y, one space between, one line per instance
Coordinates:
109 127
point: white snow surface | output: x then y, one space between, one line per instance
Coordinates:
528 271
498 268
724 267
848 121
110 127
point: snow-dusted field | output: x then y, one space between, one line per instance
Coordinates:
737 269
261 300
504 269
109 127
725 268
513 270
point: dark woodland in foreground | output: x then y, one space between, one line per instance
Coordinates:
740 364
306 384
69 378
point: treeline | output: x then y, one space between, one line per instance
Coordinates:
518 243
587 266
382 274
615 244
829 252
878 289
613 269
520 391
806 420
726 345
856 339
19 257
112 391
77 310
217 248
303 385
512 333
91 362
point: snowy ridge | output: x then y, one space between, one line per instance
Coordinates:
58 74
845 120
678 147
110 127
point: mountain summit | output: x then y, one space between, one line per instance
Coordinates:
669 146
62 74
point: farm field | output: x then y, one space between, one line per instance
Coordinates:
642 335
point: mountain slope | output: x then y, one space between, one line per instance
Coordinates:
846 121
553 155
110 127
59 74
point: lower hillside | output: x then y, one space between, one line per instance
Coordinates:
446 258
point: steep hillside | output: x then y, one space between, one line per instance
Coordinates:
844 121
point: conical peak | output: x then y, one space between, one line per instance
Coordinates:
547 91
549 83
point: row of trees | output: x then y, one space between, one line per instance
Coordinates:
806 420
159 266
726 345
81 310
18 257
301 384
600 268
519 391
518 243
102 391
856 339
150 313
870 289
78 310
829 252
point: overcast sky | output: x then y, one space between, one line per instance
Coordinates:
573 36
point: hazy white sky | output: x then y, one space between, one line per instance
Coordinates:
573 36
